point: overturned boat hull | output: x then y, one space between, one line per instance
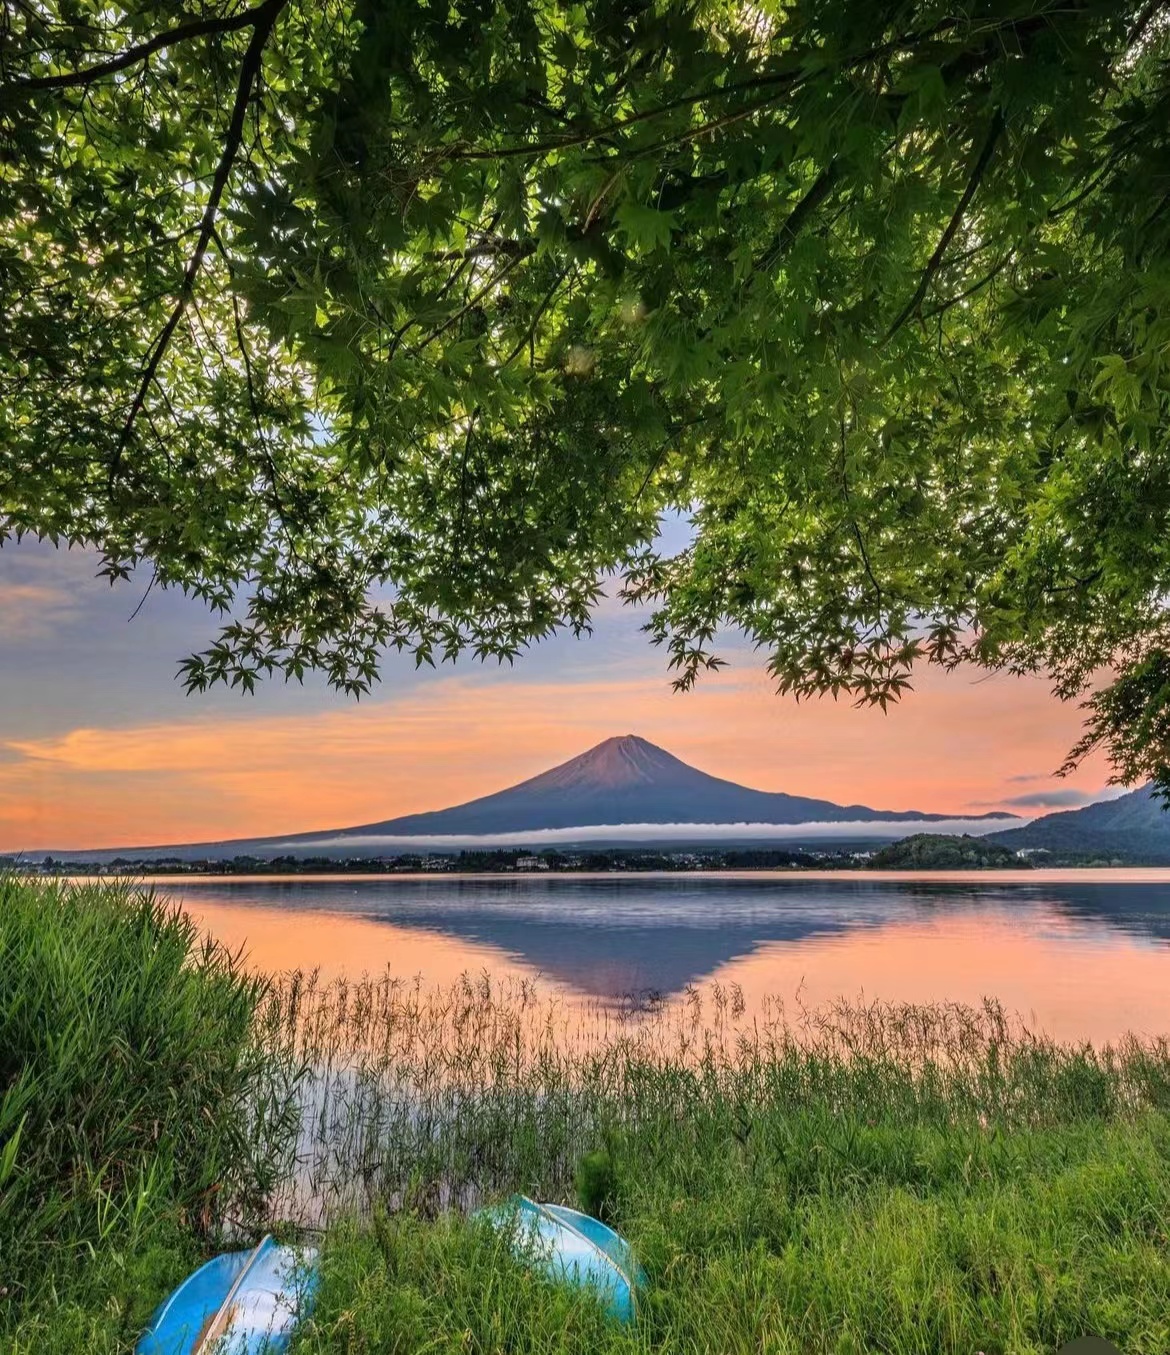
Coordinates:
573 1247
240 1303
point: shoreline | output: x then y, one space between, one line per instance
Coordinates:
1029 875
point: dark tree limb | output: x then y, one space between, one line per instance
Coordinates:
466 258
470 305
794 222
253 401
993 134
142 599
198 28
856 530
545 302
486 249
1143 21
975 287
263 22
591 134
788 81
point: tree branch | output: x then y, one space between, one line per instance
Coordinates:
988 277
198 28
620 124
877 588
1143 21
817 192
793 78
486 249
469 306
253 402
932 267
530 335
263 22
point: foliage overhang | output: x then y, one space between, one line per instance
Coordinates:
400 324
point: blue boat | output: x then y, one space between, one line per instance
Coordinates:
240 1303
571 1246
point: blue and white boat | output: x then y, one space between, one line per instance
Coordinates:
240 1303
573 1247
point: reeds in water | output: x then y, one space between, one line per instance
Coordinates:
911 1180
417 1097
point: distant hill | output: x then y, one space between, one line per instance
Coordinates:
628 780
945 851
1133 828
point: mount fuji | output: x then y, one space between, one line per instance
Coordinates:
628 780
621 783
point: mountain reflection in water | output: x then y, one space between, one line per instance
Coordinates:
1079 958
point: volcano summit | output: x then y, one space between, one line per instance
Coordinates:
622 781
628 780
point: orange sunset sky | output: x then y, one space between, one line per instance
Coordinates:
100 747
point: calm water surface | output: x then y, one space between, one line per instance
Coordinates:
1081 955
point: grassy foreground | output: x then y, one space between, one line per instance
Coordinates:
136 1109
883 1179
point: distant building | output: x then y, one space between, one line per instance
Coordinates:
531 863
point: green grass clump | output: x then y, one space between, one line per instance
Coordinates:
596 1184
905 1180
896 1179
136 1106
846 1241
400 1284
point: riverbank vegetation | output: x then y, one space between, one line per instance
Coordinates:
947 851
138 1111
923 851
486 861
902 1179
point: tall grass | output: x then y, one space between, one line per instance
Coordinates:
135 1101
860 1179
873 1178
427 1098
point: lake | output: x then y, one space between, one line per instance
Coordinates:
1078 955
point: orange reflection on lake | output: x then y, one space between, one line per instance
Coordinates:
273 942
1067 983
1080 956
